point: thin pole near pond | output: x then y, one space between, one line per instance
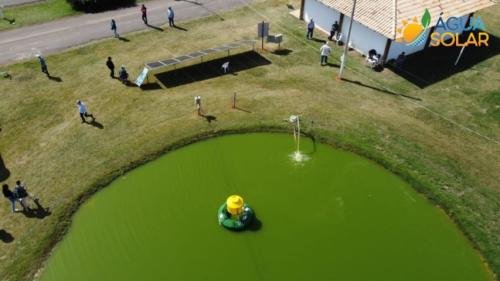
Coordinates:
346 46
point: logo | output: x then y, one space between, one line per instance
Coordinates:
414 33
446 32
451 29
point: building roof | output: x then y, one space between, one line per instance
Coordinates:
385 16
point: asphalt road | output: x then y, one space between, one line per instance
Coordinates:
8 3
25 43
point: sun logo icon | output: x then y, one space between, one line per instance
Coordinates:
413 32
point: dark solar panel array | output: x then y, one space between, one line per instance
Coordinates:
176 60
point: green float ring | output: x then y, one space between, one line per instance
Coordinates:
240 223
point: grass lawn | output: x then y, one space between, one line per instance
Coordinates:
443 141
34 13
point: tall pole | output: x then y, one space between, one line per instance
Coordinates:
1 10
346 47
460 55
262 35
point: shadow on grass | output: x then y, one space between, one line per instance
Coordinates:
150 87
5 236
4 172
179 27
329 64
96 124
282 52
124 39
155 27
39 212
55 78
242 109
10 21
91 7
211 69
435 64
379 89
209 118
318 40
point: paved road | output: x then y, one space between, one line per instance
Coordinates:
8 3
25 43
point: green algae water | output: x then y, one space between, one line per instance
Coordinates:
335 217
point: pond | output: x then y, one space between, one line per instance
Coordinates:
336 216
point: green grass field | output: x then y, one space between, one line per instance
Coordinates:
38 12
445 144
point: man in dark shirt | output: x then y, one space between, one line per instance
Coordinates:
334 30
111 66
43 65
144 14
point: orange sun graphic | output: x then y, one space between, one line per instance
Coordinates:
410 30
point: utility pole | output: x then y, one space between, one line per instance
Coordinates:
346 46
1 10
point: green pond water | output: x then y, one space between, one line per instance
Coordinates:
335 217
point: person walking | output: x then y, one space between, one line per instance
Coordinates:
114 28
197 103
170 16
82 110
310 29
21 194
123 75
43 65
334 30
111 66
325 52
7 193
144 12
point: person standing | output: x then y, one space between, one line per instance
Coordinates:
43 65
170 16
197 103
144 12
114 28
111 66
310 29
123 75
7 193
82 109
325 52
334 30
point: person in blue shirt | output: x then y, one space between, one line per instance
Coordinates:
170 16
310 29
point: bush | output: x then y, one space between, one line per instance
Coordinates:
99 5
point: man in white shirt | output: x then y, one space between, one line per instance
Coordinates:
310 29
82 109
197 103
325 52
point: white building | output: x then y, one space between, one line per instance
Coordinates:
376 22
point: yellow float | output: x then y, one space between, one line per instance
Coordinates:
235 214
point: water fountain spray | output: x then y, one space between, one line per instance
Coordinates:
295 120
297 156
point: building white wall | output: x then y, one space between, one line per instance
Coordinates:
399 47
322 15
362 38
